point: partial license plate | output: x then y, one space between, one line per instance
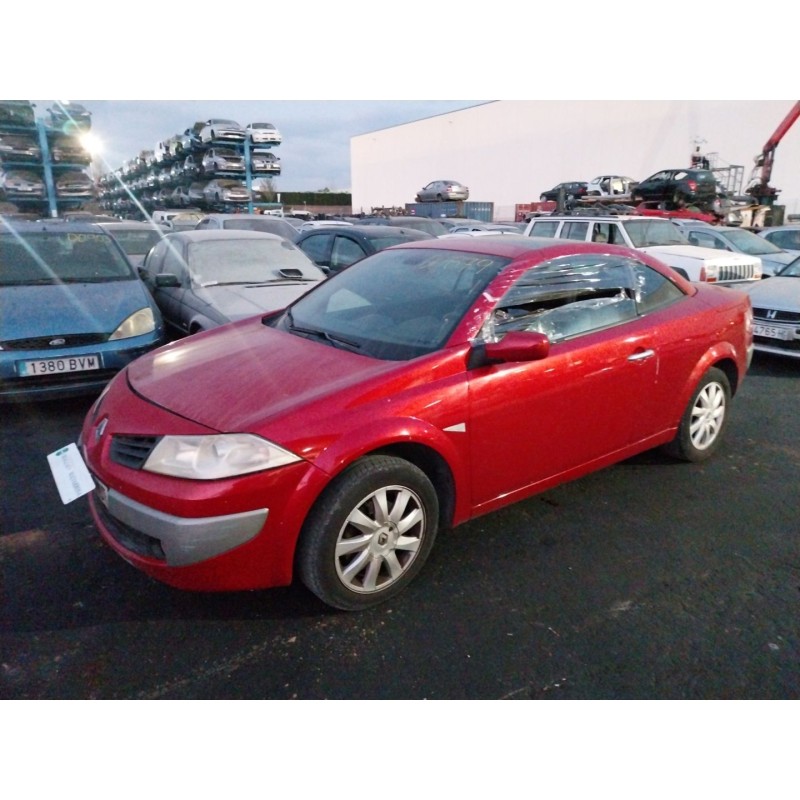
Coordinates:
101 492
772 332
57 366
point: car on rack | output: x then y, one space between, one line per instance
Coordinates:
335 247
569 190
739 240
776 312
441 190
679 187
21 184
226 190
69 118
787 237
221 130
73 311
248 222
18 147
201 279
654 235
17 114
69 150
221 159
265 163
424 386
74 184
263 133
609 186
135 238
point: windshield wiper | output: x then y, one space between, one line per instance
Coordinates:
318 333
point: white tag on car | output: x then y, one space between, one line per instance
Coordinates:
70 473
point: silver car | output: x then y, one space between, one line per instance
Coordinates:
222 159
20 183
787 237
203 279
776 312
438 191
226 190
222 130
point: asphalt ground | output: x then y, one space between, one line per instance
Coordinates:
648 580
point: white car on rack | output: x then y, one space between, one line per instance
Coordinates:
654 235
263 133
610 186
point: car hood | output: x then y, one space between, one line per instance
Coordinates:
34 311
248 376
238 301
704 253
782 294
775 261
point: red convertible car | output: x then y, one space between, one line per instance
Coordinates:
421 387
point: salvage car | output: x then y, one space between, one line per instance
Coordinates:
225 190
655 235
787 237
19 147
20 184
679 186
69 150
249 222
336 247
73 311
222 159
221 130
135 238
263 133
739 240
438 191
417 389
571 190
74 184
776 312
202 279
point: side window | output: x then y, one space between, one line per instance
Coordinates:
567 297
546 228
575 230
317 248
601 232
173 264
345 252
702 239
653 290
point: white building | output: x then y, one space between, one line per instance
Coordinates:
509 151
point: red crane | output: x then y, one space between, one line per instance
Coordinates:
759 187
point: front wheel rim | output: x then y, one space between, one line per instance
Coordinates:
708 415
380 539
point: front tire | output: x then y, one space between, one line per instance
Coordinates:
704 420
369 533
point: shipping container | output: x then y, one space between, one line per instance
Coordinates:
453 208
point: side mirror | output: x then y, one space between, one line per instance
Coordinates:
166 280
514 346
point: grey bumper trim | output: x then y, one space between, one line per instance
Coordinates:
187 540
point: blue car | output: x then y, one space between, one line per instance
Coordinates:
73 310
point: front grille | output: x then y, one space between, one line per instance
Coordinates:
43 342
132 540
132 451
736 272
793 345
780 316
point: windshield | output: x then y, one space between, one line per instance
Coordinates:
651 232
749 243
249 261
791 270
394 305
60 257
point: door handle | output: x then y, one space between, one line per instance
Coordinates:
642 355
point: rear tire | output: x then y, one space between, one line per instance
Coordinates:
705 419
369 533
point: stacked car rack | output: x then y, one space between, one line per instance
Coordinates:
28 144
175 173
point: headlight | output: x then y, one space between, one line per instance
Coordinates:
217 456
138 323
